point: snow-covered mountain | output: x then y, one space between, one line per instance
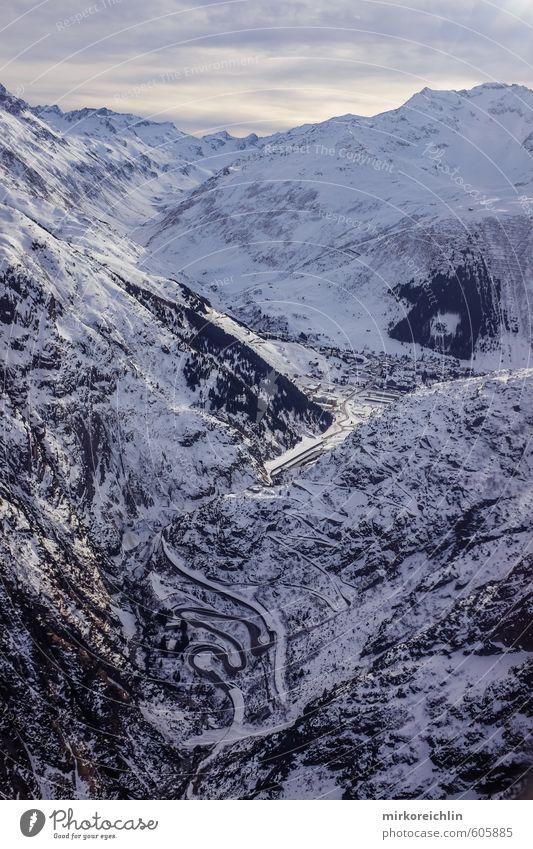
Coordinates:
415 223
188 607
397 577
123 403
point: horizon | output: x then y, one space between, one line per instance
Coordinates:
235 65
495 84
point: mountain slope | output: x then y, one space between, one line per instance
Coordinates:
176 621
398 570
410 222
123 404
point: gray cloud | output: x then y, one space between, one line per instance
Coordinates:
247 65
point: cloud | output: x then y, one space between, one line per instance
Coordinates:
255 66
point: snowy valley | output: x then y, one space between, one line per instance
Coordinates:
266 454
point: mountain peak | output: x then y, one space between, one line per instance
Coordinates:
474 91
493 86
10 102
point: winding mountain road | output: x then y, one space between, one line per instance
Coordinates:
350 411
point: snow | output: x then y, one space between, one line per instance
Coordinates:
321 610
301 235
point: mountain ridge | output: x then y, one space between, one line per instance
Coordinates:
474 91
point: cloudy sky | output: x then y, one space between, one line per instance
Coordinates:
258 65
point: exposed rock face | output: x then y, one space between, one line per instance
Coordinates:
123 405
400 570
171 624
104 439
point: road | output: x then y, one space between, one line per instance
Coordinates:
222 660
350 412
265 637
